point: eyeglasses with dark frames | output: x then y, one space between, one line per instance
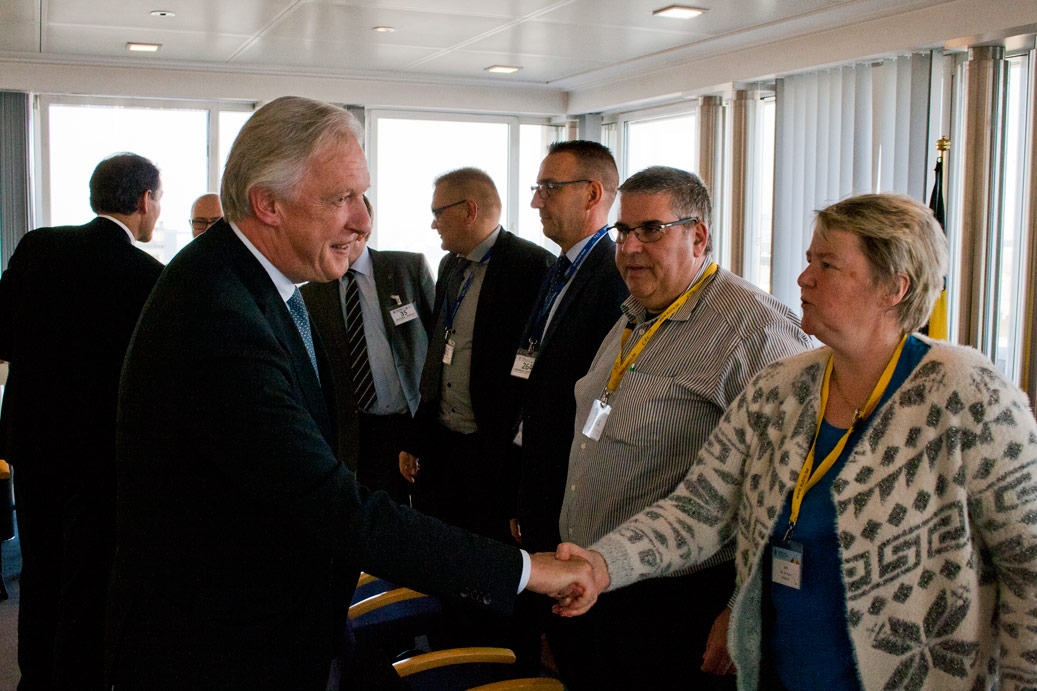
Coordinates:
437 212
204 223
646 233
544 189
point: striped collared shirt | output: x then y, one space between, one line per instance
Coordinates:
666 406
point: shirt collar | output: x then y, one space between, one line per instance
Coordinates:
485 246
283 284
362 265
120 224
575 250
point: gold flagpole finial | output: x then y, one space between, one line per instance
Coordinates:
943 144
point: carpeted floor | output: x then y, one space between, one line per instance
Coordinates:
12 567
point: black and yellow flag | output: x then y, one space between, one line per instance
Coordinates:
938 324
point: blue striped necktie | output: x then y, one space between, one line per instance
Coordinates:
359 364
297 308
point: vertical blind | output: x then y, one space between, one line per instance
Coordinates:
15 210
839 132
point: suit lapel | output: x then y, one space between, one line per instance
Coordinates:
604 251
275 311
385 282
430 374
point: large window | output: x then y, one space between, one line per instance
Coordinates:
1011 286
409 150
669 140
178 139
760 227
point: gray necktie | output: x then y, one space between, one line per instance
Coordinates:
297 308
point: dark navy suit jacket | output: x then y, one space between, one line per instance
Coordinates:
236 520
587 311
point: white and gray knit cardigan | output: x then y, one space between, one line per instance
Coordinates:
936 511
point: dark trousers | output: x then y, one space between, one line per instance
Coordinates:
378 457
650 635
464 481
66 524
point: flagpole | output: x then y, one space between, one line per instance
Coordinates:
939 326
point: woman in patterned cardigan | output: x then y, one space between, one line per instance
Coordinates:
882 489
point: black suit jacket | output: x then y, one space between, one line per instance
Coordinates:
402 274
508 292
585 314
234 513
68 303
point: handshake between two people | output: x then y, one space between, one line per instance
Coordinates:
572 575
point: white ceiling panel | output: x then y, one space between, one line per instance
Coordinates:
565 43
538 70
348 25
720 16
330 57
19 37
484 8
18 11
102 42
604 44
209 16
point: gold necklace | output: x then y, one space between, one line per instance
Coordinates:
846 400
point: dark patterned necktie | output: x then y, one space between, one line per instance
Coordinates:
297 308
359 365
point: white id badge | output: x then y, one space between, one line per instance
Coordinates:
403 314
599 414
787 564
523 364
448 353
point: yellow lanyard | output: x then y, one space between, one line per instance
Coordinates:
807 479
622 365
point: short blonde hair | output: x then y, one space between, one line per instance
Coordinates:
899 236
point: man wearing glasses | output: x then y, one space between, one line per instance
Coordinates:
205 211
691 337
578 303
469 400
459 458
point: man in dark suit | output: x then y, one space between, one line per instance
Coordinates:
469 400
578 304
68 303
376 381
236 520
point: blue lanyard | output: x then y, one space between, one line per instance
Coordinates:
556 290
451 311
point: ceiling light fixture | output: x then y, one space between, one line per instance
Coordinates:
502 69
162 13
143 47
678 12
383 29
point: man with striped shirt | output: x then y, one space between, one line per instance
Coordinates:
690 338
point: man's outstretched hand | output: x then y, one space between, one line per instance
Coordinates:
576 603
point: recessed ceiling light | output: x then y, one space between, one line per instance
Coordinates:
143 47
383 29
502 69
678 12
162 13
